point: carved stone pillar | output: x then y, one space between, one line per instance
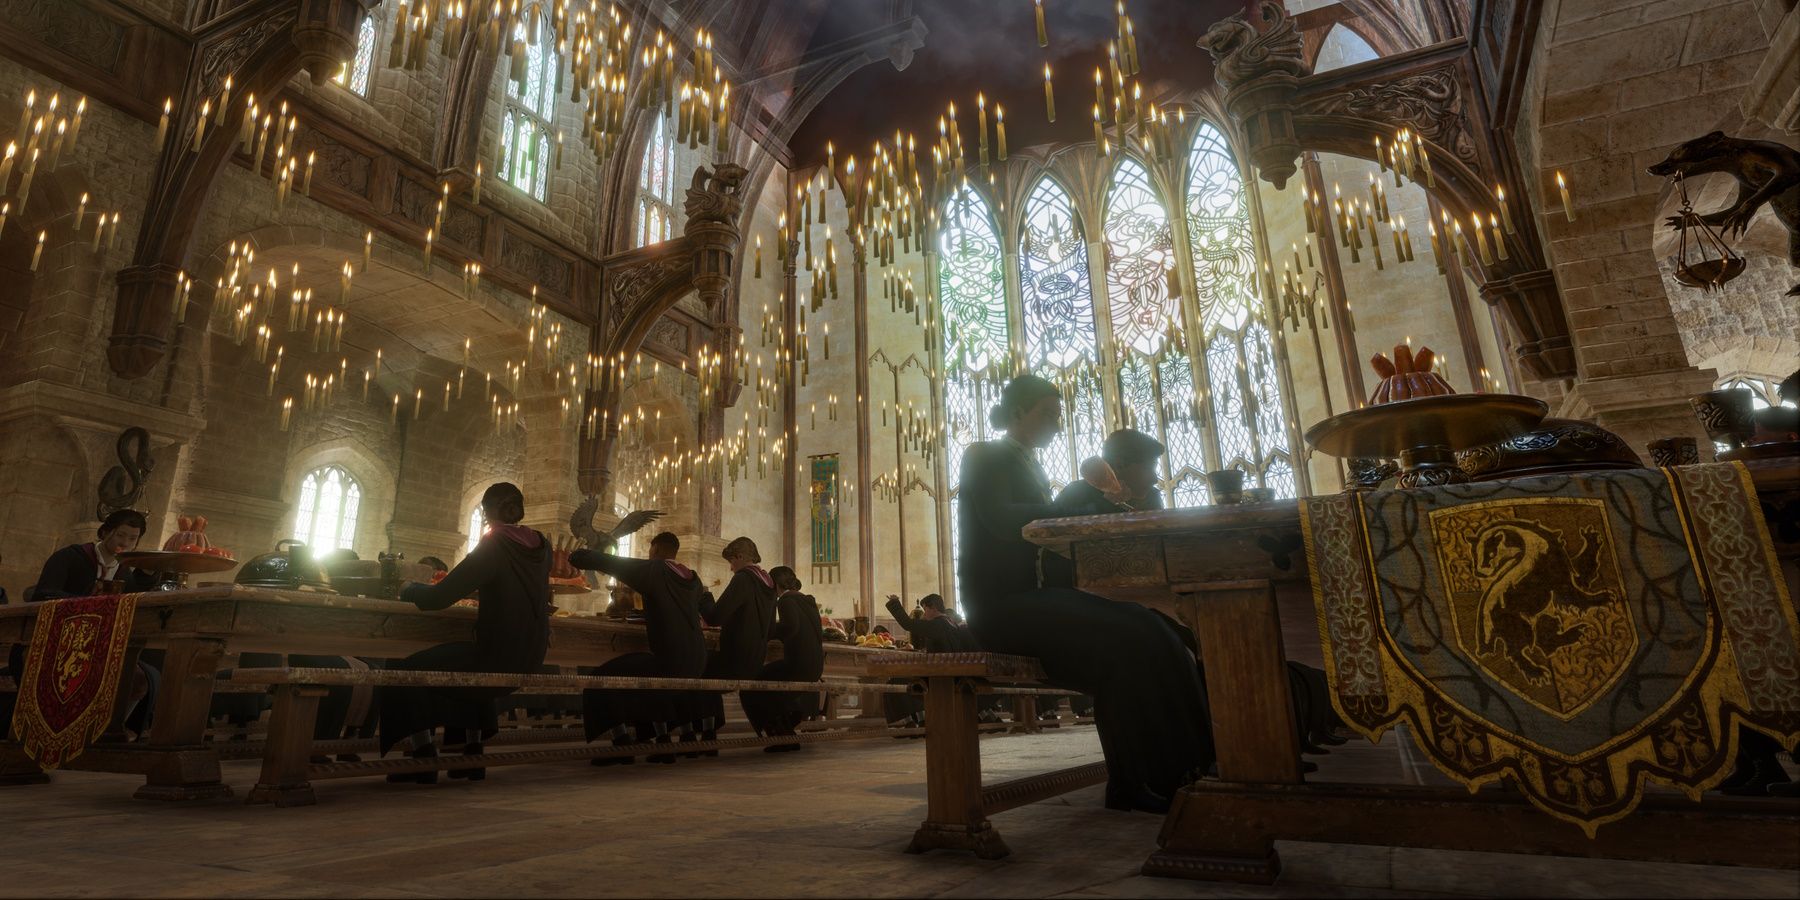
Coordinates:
642 284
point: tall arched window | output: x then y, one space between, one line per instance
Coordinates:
477 528
1200 373
355 74
525 125
656 187
972 303
329 499
1155 376
1248 414
1057 302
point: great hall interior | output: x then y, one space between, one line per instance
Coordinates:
1182 447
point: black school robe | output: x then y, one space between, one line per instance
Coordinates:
939 635
802 641
73 570
671 593
512 633
1150 710
1082 499
745 615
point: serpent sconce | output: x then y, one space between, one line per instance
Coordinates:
124 484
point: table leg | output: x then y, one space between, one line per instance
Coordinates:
128 675
288 750
1239 632
955 817
182 704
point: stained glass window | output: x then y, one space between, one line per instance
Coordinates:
1053 281
1155 377
656 187
355 74
972 305
1218 222
1213 397
526 134
329 498
1139 254
1249 414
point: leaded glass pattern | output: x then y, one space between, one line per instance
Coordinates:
355 75
1228 402
1265 383
529 109
656 187
971 293
329 500
1189 490
1084 423
1137 395
1181 430
1218 222
1057 301
1139 254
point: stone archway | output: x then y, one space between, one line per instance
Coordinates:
1611 96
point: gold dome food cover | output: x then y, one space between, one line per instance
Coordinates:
1580 635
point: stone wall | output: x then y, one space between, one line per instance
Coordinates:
1615 86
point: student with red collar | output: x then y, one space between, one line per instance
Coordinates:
74 570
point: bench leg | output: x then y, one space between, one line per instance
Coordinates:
1025 715
289 747
955 817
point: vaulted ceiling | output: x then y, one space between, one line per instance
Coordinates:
990 46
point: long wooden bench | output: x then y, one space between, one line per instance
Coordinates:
957 803
288 770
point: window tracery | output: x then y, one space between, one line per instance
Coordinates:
525 126
329 499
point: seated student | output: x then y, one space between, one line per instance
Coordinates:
802 659
932 631
744 615
76 571
1151 714
1127 467
510 571
671 593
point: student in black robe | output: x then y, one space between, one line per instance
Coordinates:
931 630
1131 457
1149 706
744 615
74 571
509 570
671 593
802 659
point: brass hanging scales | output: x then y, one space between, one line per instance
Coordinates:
1714 263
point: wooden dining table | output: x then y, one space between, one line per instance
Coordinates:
198 627
1238 576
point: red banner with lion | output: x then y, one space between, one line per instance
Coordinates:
72 676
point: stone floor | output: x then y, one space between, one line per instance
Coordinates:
829 822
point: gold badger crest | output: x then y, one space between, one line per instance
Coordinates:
1536 597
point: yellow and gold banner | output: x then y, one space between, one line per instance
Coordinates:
1580 635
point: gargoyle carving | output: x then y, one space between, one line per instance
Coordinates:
1240 53
1766 172
717 194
